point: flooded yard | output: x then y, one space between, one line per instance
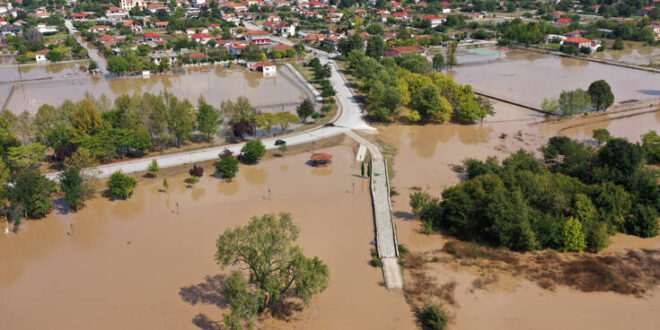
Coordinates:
216 84
633 53
423 160
121 265
528 77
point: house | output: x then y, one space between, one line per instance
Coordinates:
116 13
108 41
269 69
80 16
158 56
434 20
400 16
46 29
580 43
197 57
161 24
258 37
656 29
236 48
398 51
151 37
40 58
127 5
283 29
564 21
202 38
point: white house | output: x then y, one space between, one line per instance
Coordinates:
127 5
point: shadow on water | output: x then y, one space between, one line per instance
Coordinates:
205 323
652 92
207 292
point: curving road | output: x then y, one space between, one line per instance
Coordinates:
350 117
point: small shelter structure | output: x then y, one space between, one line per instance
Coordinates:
320 159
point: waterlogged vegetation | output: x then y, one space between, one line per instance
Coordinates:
407 88
572 199
279 277
598 97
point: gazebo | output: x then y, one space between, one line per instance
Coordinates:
320 159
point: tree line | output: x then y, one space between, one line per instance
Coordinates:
572 199
408 87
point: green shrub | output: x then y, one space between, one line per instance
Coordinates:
227 166
121 186
432 317
253 151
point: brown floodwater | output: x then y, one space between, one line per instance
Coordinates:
634 53
121 265
215 84
423 160
528 77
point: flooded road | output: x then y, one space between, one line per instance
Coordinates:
121 265
528 77
216 84
423 160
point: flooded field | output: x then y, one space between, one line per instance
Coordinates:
634 53
528 77
423 159
121 265
216 84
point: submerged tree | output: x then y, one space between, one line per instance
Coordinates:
278 270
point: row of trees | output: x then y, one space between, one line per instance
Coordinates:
96 130
572 199
408 83
598 97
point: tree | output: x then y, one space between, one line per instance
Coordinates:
347 45
573 238
618 44
73 186
278 270
26 155
305 109
31 192
153 168
573 102
451 54
242 116
643 222
208 119
118 64
601 95
651 146
120 186
431 105
227 166
601 135
252 151
438 62
375 47
181 120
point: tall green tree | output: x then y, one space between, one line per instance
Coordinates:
305 109
181 120
601 95
208 119
375 47
31 192
278 269
573 236
73 186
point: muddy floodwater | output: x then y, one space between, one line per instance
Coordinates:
121 265
216 84
423 159
528 77
633 53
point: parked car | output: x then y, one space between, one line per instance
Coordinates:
279 142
